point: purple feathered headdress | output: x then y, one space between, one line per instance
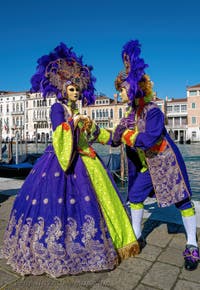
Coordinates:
134 69
60 68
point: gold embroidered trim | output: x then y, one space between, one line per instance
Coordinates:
129 251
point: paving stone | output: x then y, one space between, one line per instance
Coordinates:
85 280
172 256
6 278
68 287
5 266
162 276
178 241
34 283
182 285
3 226
193 276
101 287
144 287
5 209
120 279
135 265
159 236
150 252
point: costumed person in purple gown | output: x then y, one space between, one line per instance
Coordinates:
68 217
155 164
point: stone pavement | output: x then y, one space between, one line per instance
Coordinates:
159 266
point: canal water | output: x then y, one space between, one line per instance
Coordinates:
190 152
191 156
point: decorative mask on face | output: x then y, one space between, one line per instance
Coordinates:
72 93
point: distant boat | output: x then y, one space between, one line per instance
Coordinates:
21 170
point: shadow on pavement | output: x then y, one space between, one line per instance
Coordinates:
5 194
150 224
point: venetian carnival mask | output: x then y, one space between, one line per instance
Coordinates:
72 93
124 96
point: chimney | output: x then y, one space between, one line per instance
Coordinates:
115 98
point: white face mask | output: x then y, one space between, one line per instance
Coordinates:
123 95
73 93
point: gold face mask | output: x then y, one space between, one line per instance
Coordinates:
124 96
72 93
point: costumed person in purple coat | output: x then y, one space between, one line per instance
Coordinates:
155 163
68 217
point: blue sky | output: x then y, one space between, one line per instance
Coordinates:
169 32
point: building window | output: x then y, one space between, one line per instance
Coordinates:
93 115
193 120
183 108
169 109
177 121
193 105
194 134
111 113
177 108
193 93
184 121
120 113
170 122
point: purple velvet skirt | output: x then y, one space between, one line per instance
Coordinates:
56 225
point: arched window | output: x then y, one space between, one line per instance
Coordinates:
120 113
93 114
111 113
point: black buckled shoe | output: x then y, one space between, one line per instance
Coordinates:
191 256
142 242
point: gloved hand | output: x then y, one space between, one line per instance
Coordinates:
116 140
128 122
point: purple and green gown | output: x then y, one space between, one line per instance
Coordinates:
68 217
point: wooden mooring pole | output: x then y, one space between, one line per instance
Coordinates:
122 163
